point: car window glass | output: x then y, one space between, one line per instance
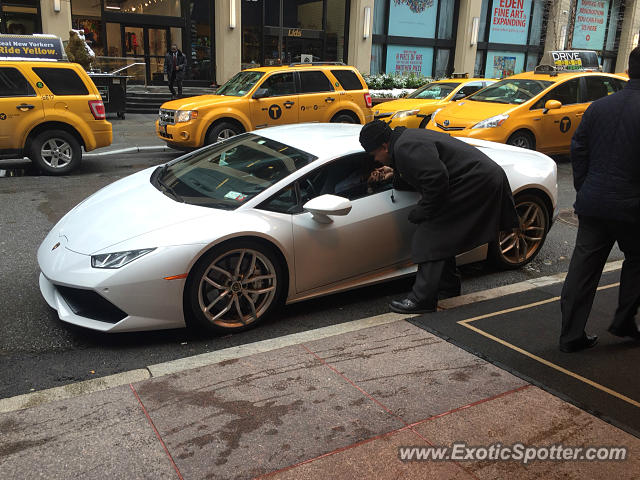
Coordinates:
285 201
347 177
348 79
13 84
469 88
566 93
62 81
511 91
597 87
240 84
314 81
434 91
280 84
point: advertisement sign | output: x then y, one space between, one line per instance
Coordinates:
30 47
405 60
413 18
510 21
591 24
503 64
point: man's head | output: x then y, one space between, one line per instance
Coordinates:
634 63
174 48
374 138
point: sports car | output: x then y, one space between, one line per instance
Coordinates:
223 235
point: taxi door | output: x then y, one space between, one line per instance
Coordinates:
317 96
558 125
279 106
20 107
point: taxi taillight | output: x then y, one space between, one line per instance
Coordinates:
367 100
97 109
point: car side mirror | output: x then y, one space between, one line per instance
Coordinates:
458 96
324 205
261 93
551 105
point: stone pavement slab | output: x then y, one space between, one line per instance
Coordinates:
536 418
412 372
97 436
246 417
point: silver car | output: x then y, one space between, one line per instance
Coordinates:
223 235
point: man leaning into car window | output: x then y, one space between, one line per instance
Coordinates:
465 202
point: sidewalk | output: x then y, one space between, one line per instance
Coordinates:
335 402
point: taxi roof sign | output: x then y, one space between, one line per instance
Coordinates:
31 47
568 60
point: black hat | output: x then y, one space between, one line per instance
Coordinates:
634 63
374 134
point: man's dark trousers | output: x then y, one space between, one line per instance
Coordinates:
594 242
173 80
433 277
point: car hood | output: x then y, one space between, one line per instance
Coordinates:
121 211
194 103
405 104
466 113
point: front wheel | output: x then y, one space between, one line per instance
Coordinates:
235 286
55 152
518 247
222 131
522 139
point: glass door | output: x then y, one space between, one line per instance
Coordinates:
157 48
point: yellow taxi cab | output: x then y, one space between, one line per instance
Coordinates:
264 97
50 109
538 110
414 111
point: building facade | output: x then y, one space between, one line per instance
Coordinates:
434 38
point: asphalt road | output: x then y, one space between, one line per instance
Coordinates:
38 351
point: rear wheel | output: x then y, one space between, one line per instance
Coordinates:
517 248
55 152
235 286
344 117
222 131
522 139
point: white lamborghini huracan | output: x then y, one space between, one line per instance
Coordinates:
224 234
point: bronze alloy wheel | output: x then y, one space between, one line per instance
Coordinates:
236 288
519 246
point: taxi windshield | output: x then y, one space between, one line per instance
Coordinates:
228 173
434 91
240 84
514 91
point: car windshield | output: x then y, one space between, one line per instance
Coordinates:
434 91
227 174
511 91
240 84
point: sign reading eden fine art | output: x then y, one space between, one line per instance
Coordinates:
510 21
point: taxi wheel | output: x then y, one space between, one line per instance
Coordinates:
221 131
518 247
55 152
344 118
522 139
235 286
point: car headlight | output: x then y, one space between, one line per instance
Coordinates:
185 115
433 115
117 259
404 113
492 122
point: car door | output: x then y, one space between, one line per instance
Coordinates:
317 96
280 105
20 107
375 234
558 125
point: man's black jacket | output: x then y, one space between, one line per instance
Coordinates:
605 153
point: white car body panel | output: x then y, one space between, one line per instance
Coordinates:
368 245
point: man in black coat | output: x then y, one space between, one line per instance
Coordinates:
174 66
605 155
465 202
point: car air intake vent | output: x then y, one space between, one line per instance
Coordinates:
448 129
167 116
87 303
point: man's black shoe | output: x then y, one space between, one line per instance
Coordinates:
406 305
587 342
632 332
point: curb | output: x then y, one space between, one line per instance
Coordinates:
137 149
33 399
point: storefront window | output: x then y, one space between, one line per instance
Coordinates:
303 14
376 58
335 30
442 63
409 59
409 18
536 22
20 17
251 33
379 14
503 64
200 67
165 8
614 19
445 25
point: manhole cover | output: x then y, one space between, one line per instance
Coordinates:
566 215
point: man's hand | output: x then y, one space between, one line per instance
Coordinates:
380 175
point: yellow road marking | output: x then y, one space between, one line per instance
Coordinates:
465 323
